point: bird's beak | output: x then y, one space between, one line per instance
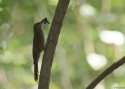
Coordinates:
43 20
40 23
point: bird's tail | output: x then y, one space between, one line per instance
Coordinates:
36 71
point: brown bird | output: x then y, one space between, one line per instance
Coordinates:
38 45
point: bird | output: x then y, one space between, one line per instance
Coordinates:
38 44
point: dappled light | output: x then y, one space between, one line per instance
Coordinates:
100 86
112 37
96 61
87 10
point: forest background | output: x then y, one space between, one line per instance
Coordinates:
91 39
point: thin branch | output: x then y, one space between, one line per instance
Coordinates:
51 44
106 72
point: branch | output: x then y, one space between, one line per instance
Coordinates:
106 72
51 44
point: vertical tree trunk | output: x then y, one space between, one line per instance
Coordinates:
51 44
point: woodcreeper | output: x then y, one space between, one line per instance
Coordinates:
38 44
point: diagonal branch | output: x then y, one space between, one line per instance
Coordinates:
51 44
106 72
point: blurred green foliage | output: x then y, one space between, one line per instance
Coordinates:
84 21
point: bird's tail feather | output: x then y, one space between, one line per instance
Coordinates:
36 71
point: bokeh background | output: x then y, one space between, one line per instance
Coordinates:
91 39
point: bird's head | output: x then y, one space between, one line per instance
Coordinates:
39 24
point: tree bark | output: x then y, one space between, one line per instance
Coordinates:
51 44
